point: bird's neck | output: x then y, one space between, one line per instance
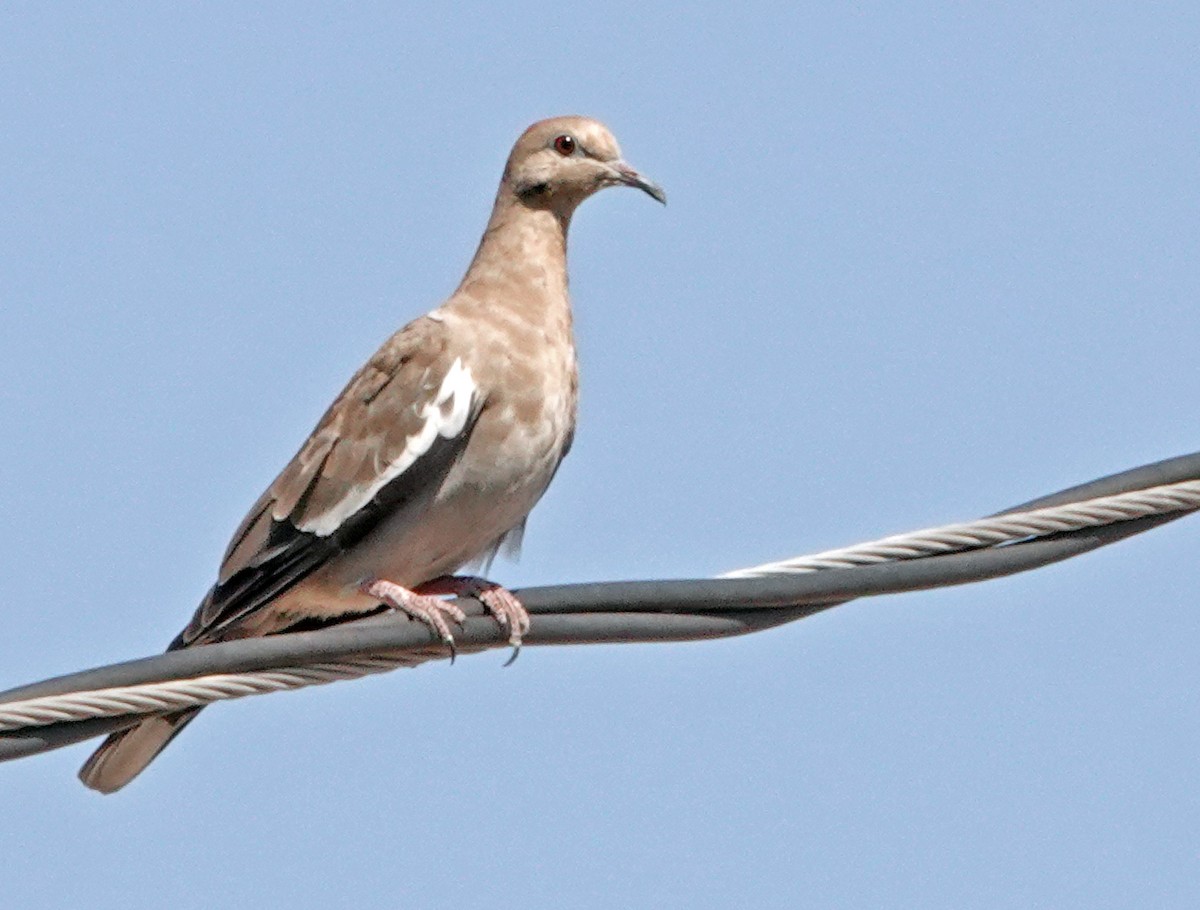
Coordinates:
522 258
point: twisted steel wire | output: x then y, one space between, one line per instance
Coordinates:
20 715
989 532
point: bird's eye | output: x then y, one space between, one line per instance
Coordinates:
564 145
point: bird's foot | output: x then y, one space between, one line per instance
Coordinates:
498 601
421 606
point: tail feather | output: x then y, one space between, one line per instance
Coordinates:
124 755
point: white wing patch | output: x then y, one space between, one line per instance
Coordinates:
445 415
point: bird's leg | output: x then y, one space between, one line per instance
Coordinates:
422 607
498 601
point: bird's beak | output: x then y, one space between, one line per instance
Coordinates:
626 175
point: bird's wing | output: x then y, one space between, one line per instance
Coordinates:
385 444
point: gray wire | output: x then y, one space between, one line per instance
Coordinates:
588 613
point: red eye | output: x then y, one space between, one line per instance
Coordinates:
564 145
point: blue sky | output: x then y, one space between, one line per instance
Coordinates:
920 262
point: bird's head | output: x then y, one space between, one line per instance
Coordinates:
558 163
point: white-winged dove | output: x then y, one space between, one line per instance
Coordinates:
434 453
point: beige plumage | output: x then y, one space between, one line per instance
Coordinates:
436 450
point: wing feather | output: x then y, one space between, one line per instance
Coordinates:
386 443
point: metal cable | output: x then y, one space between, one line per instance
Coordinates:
990 532
172 695
731 608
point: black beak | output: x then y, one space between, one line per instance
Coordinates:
627 176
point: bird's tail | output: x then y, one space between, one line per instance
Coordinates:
124 755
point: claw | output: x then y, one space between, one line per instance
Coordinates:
498 601
516 652
432 611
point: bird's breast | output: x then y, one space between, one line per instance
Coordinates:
526 420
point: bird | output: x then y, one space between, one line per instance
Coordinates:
434 453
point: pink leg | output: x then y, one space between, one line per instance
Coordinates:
422 607
499 601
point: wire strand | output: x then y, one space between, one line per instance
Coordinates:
1010 530
989 532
